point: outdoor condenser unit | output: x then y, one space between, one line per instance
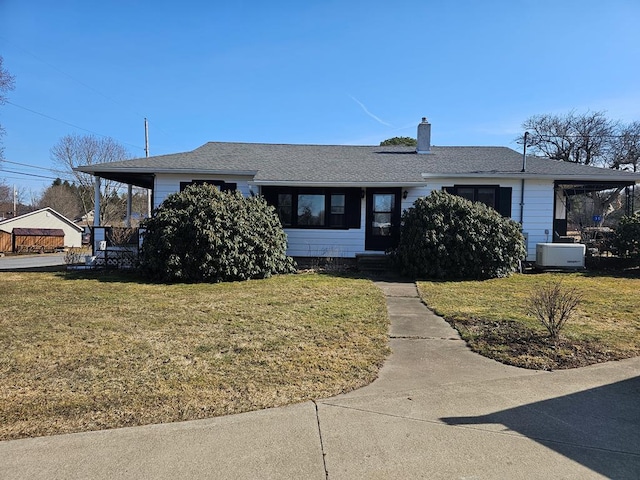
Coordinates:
560 255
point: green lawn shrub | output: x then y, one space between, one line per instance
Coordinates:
204 235
627 236
444 236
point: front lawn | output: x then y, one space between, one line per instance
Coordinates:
491 316
86 353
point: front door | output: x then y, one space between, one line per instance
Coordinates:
383 218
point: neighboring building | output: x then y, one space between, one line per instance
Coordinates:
342 201
6 242
47 219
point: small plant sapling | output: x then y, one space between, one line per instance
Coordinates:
553 305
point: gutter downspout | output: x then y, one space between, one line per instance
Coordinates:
524 169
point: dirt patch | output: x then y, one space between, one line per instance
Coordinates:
515 344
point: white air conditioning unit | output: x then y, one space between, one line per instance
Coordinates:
560 255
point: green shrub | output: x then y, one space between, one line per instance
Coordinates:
446 236
627 236
204 235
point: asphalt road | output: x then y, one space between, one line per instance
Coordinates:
30 262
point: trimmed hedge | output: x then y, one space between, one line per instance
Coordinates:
204 235
445 236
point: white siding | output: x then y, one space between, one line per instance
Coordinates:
165 185
327 243
538 213
47 219
538 204
347 243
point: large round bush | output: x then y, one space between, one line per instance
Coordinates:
204 235
627 236
448 237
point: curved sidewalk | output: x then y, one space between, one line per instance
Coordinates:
437 410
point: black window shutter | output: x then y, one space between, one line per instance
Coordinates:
270 195
353 207
451 190
504 199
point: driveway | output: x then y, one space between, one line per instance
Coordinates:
30 262
437 411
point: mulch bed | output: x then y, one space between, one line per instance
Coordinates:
515 344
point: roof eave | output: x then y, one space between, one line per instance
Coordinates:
300 183
155 171
527 175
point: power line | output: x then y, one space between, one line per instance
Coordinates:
67 123
68 75
50 65
28 174
27 165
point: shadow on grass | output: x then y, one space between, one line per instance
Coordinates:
50 268
598 428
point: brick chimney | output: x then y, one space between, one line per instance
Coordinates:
424 136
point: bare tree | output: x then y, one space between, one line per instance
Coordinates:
7 83
586 138
73 151
6 199
625 149
63 198
578 138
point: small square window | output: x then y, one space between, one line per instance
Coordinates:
337 210
337 204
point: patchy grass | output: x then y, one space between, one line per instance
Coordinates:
491 316
86 353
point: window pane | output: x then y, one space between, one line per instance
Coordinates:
466 192
284 208
383 202
487 196
337 204
310 209
381 226
284 199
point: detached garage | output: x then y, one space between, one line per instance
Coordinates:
47 225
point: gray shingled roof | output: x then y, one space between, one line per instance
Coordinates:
330 164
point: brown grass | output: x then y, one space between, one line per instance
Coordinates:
92 353
492 317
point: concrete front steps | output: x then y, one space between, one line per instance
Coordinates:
373 263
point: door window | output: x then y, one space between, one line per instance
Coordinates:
383 207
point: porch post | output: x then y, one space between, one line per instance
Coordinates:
129 197
96 203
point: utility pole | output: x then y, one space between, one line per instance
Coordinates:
146 138
15 201
146 152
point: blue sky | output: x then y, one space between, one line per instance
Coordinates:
319 72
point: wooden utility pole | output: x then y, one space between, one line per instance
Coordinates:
146 152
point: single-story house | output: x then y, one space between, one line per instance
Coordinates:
46 219
344 201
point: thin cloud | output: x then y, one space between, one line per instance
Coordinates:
377 119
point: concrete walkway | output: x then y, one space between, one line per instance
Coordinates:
436 411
